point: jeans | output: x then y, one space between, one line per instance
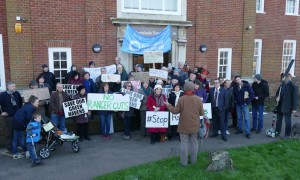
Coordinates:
243 113
288 123
260 110
18 140
186 141
32 151
59 119
127 123
105 121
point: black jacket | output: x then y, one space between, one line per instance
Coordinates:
172 97
7 106
288 98
50 79
261 91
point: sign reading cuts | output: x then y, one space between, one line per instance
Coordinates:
108 102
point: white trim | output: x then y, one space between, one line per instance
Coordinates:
258 63
2 71
293 55
141 11
262 7
51 61
296 13
228 70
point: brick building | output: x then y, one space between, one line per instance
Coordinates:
245 37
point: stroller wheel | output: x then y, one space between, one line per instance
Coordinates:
44 153
75 146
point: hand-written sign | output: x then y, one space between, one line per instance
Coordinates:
75 107
134 98
174 119
136 85
110 78
140 76
162 74
70 89
158 119
153 57
108 102
41 93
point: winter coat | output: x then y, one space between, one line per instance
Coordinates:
261 91
230 98
54 105
288 98
82 118
33 128
117 86
23 116
49 79
202 94
90 86
222 98
68 76
78 81
205 83
45 85
144 101
7 106
172 97
239 94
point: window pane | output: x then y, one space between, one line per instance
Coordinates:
56 65
63 64
63 56
57 73
156 5
55 55
64 73
145 4
171 5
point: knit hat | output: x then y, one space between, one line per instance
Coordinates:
44 65
91 62
258 77
157 86
33 83
188 86
79 88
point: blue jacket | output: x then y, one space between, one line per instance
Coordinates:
222 98
6 105
90 86
239 94
23 116
33 128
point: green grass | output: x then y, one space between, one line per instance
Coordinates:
279 160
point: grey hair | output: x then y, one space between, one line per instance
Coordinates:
9 83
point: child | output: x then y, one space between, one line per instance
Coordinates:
33 133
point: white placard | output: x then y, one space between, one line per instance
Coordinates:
158 73
134 98
136 85
95 72
75 107
108 102
70 89
41 93
110 78
153 57
174 119
158 119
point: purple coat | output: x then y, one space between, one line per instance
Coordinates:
202 94
82 118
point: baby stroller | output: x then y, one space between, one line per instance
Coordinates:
55 139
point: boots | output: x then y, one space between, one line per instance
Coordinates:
153 138
86 132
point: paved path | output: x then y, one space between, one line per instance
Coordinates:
103 156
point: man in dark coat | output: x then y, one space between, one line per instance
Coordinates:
287 100
49 77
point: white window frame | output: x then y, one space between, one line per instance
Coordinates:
140 10
261 6
51 61
296 13
2 67
291 56
259 49
229 63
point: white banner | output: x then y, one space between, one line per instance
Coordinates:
41 93
174 119
70 89
153 57
75 107
134 98
108 102
95 72
158 119
110 78
158 73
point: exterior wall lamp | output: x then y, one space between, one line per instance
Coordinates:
203 48
96 48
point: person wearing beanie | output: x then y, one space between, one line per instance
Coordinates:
33 84
261 91
48 76
75 78
69 74
92 64
155 102
189 124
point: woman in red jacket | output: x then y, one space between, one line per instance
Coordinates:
155 102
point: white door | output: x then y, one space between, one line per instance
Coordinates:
2 70
224 62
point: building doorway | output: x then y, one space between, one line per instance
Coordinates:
2 70
139 59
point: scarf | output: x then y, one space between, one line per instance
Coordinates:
189 93
177 96
146 91
12 97
159 99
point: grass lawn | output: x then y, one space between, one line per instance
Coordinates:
279 160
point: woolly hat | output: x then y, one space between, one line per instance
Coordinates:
79 88
91 62
188 86
258 77
33 83
157 86
44 65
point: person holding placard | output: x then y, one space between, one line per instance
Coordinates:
88 83
48 76
75 78
155 102
189 123
199 91
105 116
42 103
127 115
41 83
67 77
124 77
82 119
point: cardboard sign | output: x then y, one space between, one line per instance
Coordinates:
110 78
108 102
153 57
140 76
158 119
161 74
134 99
174 119
136 85
41 93
75 107
95 72
70 89
166 91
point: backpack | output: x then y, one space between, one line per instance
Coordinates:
204 128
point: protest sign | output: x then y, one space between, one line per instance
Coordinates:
70 89
140 76
75 107
174 119
95 72
134 98
153 57
161 74
108 102
110 78
136 85
166 91
41 93
158 119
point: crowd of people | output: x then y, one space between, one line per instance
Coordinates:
189 87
